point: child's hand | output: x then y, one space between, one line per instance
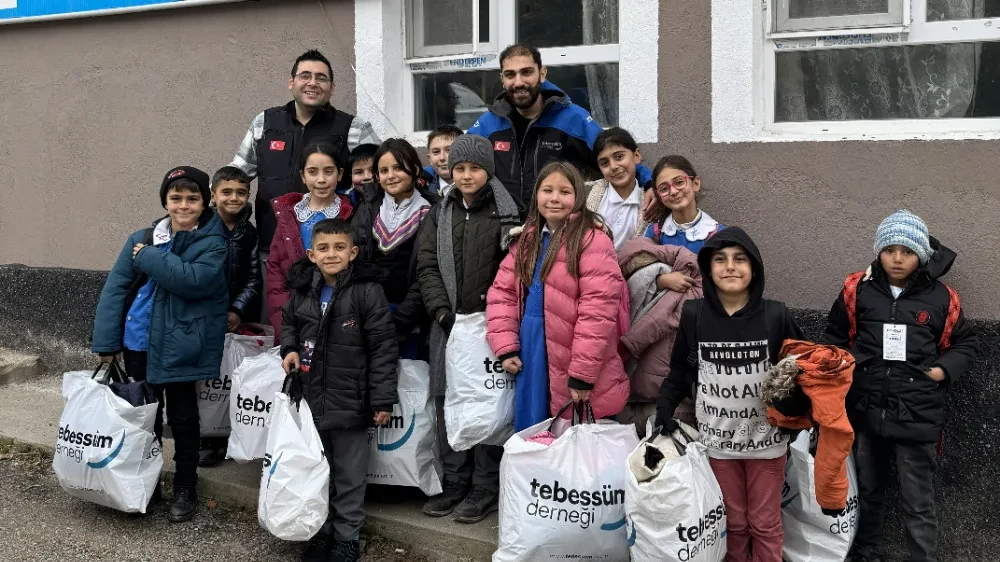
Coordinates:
579 395
382 418
512 365
652 208
291 362
936 373
135 250
675 281
233 322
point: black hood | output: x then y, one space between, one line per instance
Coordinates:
731 236
303 276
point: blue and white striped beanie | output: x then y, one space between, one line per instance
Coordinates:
903 228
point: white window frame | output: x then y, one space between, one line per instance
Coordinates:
744 50
386 73
417 48
784 23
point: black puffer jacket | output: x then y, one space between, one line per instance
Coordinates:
353 372
243 267
896 399
475 236
395 271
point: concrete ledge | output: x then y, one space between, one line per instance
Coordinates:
31 411
18 367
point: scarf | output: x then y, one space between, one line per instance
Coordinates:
397 223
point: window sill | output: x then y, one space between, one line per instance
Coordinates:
887 130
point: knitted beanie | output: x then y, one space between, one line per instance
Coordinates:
472 148
903 228
199 177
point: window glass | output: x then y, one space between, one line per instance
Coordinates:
566 23
460 98
829 8
940 10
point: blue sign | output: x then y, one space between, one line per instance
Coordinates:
13 10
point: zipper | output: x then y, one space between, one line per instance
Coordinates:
888 370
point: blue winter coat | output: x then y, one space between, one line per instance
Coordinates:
188 319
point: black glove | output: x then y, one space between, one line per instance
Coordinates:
794 405
833 512
447 320
667 427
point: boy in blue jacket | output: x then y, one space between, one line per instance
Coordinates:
164 309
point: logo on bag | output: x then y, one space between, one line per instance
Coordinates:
631 536
494 368
256 407
396 422
847 519
580 505
701 534
273 466
216 390
72 444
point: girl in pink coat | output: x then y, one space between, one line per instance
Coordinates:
553 308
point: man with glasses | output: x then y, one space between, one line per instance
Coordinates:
270 150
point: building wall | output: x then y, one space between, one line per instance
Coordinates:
94 111
813 207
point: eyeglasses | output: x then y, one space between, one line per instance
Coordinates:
677 183
308 77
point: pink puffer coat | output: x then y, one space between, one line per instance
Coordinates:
580 323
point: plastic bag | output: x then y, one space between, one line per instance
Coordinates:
106 452
479 395
214 394
810 535
295 482
403 452
255 383
566 500
678 514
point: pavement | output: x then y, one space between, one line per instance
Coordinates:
40 522
30 414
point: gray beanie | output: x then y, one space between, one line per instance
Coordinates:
903 228
472 148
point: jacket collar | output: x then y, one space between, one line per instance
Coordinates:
323 113
552 97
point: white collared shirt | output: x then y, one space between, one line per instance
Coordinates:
621 215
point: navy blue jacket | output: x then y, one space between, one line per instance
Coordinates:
188 319
562 131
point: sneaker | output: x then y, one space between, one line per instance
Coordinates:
318 549
184 505
476 506
208 457
345 551
445 502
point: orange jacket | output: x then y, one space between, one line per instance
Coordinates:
825 376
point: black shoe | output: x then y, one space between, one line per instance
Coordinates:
318 549
155 498
445 502
208 457
345 551
184 505
476 506
859 557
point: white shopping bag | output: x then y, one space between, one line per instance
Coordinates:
105 451
479 395
810 535
255 383
213 395
566 500
678 515
402 453
295 483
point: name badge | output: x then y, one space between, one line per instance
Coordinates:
894 342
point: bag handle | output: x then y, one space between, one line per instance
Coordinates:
114 373
292 386
583 412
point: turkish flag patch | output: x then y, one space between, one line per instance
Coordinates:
277 145
502 146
